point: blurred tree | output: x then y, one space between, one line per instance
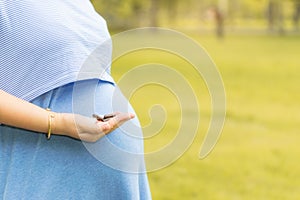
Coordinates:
220 13
171 7
125 14
271 14
296 16
275 16
154 13
137 11
219 21
281 28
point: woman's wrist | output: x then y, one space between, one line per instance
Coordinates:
59 124
64 124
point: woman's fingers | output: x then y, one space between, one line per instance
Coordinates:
91 130
116 121
120 118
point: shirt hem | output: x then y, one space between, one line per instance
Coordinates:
66 79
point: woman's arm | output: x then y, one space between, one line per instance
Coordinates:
22 114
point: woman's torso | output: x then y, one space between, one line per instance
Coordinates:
44 44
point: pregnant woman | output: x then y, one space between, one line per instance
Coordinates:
50 145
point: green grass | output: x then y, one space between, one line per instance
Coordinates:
257 154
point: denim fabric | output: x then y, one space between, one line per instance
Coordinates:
32 167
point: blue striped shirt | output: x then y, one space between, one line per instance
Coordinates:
46 44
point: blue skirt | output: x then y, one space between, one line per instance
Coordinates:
32 167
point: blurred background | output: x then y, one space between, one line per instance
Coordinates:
247 16
255 45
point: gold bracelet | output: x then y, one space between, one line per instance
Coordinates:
50 116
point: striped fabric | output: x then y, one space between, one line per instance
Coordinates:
45 44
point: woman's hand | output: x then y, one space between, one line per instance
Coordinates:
85 128
22 114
